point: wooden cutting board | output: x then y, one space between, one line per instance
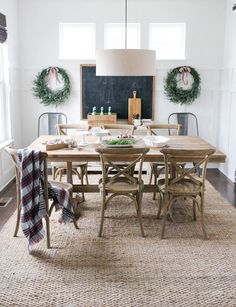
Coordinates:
134 108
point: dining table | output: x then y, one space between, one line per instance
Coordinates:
87 153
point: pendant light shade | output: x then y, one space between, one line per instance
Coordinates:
126 62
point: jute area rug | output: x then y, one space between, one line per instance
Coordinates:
122 268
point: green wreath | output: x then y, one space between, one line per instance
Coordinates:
178 94
48 96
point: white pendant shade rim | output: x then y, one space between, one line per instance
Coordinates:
126 62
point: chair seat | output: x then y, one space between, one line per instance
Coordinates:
62 185
184 186
64 164
120 185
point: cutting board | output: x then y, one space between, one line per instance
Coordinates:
134 108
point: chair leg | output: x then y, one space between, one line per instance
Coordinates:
139 207
60 175
160 206
50 210
47 230
86 174
164 216
194 211
150 180
17 220
54 172
155 173
82 179
203 219
102 213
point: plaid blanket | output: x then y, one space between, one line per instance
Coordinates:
32 196
61 200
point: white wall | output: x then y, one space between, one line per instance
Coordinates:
39 20
10 9
227 111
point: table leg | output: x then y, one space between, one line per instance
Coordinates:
69 172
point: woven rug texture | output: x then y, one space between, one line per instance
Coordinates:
122 268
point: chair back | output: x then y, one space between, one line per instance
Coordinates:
116 129
112 156
64 129
188 122
13 156
164 129
47 122
12 152
173 157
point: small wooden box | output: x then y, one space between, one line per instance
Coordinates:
56 146
99 120
134 108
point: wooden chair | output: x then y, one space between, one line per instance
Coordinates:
158 129
184 184
59 168
121 183
118 129
13 155
115 129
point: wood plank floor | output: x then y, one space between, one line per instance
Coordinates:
215 177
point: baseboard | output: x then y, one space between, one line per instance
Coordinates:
7 186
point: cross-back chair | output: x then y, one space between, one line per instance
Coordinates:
120 129
182 182
54 184
78 168
13 155
121 182
170 129
159 129
115 129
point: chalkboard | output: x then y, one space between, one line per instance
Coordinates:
114 92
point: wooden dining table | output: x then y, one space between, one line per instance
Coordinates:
89 154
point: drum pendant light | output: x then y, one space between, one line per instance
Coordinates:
126 62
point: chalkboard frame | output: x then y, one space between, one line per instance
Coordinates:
81 92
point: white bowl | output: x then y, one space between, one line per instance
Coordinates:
99 132
155 140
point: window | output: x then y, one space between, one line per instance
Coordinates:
77 41
114 36
4 94
168 39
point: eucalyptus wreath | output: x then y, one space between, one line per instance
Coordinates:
47 95
178 94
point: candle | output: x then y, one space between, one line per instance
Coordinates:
109 110
101 113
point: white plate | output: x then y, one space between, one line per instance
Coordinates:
119 146
116 145
155 140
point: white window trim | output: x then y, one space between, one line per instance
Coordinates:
171 58
106 27
61 56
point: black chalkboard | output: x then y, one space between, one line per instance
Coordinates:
114 91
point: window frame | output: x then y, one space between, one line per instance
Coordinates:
65 57
122 26
175 58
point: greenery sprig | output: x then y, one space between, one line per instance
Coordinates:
47 95
178 94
